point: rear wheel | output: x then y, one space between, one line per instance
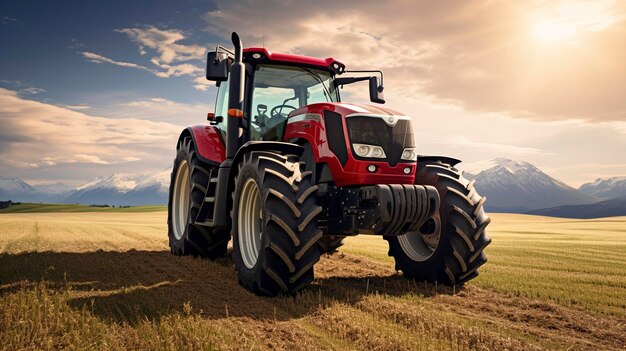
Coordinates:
449 247
275 228
190 178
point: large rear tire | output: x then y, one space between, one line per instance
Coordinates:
449 247
190 178
275 229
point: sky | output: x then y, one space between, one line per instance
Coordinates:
92 88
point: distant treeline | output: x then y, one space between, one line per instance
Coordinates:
106 205
7 204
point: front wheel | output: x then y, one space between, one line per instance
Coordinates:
275 230
329 244
449 247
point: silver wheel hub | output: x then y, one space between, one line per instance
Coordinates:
420 245
250 223
180 200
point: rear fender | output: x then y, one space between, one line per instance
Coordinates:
208 143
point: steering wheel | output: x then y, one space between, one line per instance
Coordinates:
278 111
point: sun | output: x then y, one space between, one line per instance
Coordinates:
568 22
554 31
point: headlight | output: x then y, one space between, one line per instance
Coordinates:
369 151
409 154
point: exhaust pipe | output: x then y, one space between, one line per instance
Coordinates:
235 99
221 217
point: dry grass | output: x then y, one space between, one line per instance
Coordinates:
568 261
106 281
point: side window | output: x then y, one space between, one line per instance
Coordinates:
316 93
268 112
221 105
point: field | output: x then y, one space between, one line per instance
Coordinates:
46 208
93 280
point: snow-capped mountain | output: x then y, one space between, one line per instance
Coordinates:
158 181
16 189
123 189
152 190
606 188
121 182
103 190
115 189
518 186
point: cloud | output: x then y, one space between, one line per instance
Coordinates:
37 135
22 88
80 107
7 20
32 91
202 84
75 44
175 70
483 55
95 58
78 158
172 59
170 51
165 42
161 110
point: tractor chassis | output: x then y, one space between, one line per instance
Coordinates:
384 209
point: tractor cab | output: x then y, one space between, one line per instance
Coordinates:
277 84
275 91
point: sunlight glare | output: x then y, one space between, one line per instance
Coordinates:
567 22
551 31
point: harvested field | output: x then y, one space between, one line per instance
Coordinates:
106 280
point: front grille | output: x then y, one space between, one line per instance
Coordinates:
334 132
374 131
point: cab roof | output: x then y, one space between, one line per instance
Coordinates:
262 55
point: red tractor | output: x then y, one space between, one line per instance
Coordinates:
288 171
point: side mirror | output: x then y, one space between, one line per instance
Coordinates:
376 91
217 66
213 119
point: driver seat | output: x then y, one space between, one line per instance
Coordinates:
262 119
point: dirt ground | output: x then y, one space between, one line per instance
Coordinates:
355 303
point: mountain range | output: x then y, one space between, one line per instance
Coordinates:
606 188
519 187
116 189
509 185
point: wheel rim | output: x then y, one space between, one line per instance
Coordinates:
180 200
421 244
250 223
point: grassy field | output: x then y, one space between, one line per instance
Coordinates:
44 208
106 281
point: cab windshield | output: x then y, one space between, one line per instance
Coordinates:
278 90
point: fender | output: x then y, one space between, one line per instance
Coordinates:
208 143
280 146
449 160
228 171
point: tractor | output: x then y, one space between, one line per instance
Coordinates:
287 171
